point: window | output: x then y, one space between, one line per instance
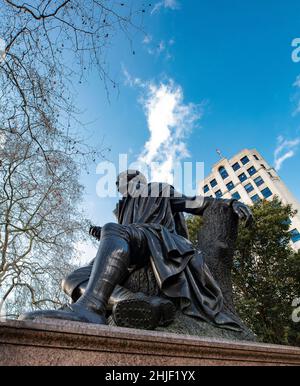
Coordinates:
206 189
230 186
242 177
219 194
255 156
259 181
263 166
236 166
213 183
255 198
295 235
249 188
266 193
251 170
245 160
236 196
223 172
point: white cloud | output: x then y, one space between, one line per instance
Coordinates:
171 4
285 149
170 121
132 81
297 82
159 48
147 39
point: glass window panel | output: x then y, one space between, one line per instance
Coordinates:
245 160
266 193
242 177
213 183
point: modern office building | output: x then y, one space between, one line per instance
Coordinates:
249 178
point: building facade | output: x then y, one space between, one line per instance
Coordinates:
249 178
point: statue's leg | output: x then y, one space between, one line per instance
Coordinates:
74 285
118 249
129 309
110 266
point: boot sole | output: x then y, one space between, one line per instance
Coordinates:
141 314
168 312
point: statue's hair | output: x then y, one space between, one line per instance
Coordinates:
131 174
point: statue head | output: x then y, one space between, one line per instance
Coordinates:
130 182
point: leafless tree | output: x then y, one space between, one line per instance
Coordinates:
50 45
39 221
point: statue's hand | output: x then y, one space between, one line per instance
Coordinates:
244 212
95 232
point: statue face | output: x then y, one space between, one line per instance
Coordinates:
122 185
130 183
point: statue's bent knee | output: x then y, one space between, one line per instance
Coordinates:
67 285
115 231
111 229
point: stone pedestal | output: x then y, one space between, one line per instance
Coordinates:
68 343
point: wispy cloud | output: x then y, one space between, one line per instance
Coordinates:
132 81
160 47
171 4
147 39
170 121
297 82
285 149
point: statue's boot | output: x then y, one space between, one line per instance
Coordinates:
136 310
71 312
110 264
133 310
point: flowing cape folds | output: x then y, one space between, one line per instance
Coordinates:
179 268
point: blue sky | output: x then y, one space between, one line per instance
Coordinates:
229 63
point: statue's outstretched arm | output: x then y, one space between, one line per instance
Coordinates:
196 205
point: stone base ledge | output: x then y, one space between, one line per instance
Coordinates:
53 343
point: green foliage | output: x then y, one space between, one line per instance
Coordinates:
266 274
194 223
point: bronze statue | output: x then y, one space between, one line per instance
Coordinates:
151 229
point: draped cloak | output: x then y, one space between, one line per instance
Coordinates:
179 268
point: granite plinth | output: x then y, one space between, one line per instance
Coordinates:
44 343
